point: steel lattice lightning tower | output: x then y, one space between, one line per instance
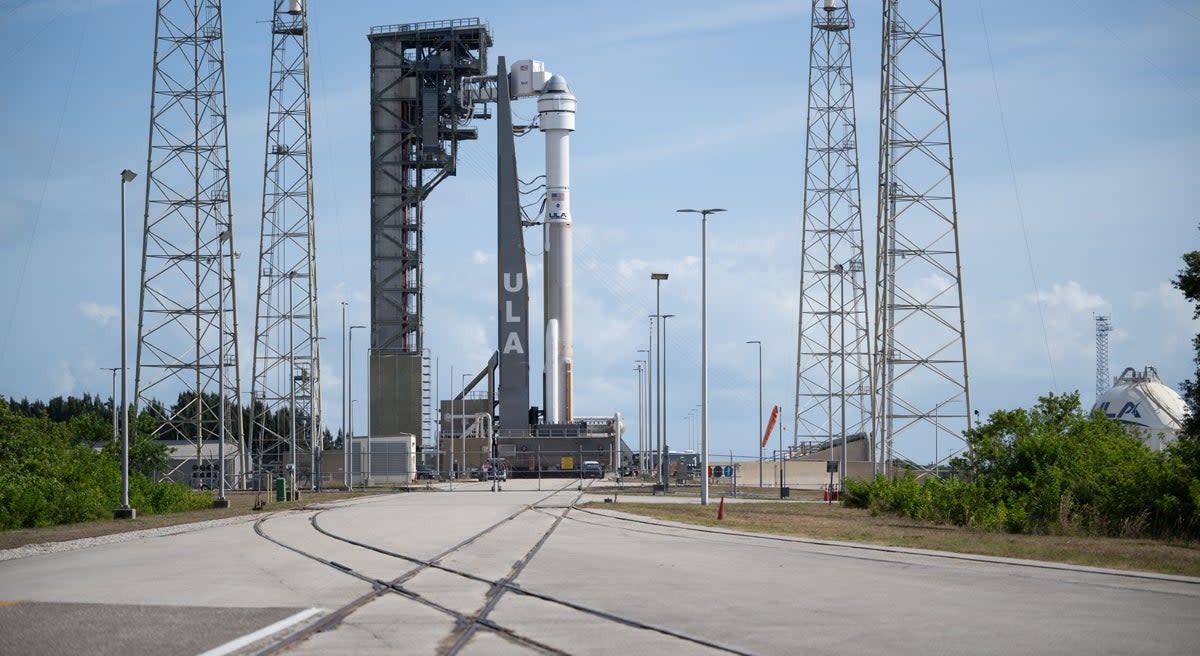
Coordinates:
1103 328
833 360
924 400
187 321
285 396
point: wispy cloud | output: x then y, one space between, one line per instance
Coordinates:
100 313
1071 296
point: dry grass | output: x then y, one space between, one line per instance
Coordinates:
692 490
833 522
240 503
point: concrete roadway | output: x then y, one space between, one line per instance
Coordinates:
196 588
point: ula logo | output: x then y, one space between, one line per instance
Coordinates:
1130 408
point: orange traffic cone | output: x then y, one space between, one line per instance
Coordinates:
721 510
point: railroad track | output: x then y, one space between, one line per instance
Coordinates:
467 625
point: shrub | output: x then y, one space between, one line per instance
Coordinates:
50 474
1052 468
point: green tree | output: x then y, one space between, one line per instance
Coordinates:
1188 282
1052 468
51 473
147 457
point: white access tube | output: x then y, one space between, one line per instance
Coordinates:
556 114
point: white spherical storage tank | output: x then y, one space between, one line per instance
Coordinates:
1151 410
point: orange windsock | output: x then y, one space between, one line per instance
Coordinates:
770 426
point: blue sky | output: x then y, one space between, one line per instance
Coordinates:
681 104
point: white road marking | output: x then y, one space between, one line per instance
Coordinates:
236 644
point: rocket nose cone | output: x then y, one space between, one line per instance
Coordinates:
556 83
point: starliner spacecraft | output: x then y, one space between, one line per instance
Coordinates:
558 418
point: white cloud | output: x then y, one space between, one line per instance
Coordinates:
1157 331
1070 296
64 379
480 257
1164 298
98 312
1015 337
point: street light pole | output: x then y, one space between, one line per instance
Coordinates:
641 410
666 460
350 394
345 408
316 430
645 457
703 344
760 406
125 511
658 278
841 272
294 475
352 402
226 234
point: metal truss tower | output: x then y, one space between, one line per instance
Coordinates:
833 360
1103 328
417 121
286 383
187 354
923 398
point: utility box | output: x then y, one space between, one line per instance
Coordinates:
281 489
386 459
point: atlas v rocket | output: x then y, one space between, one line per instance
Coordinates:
556 119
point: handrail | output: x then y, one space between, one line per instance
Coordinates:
428 25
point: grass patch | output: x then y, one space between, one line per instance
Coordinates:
691 490
833 522
240 503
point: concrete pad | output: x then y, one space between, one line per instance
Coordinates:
388 625
576 633
452 591
745 593
225 565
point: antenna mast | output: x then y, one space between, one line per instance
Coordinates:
1103 328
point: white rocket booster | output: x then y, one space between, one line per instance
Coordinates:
556 111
